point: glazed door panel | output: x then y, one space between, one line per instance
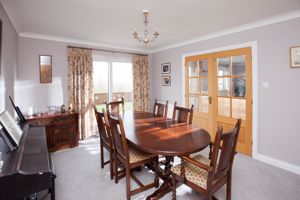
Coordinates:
232 93
199 89
220 87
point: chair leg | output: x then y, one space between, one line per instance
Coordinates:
156 180
228 187
210 196
210 150
101 154
173 188
111 165
128 183
116 173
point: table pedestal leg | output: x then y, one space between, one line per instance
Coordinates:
167 184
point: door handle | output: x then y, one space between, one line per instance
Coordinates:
209 100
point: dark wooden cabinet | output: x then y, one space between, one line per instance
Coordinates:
61 129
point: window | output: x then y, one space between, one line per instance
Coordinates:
112 81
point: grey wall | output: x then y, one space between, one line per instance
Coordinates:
278 106
28 89
9 58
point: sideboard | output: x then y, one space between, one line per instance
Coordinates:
61 129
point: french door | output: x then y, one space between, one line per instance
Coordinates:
113 80
220 87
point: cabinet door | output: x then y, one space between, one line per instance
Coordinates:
63 134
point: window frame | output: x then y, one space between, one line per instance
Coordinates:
110 61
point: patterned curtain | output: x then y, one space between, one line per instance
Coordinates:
141 83
80 88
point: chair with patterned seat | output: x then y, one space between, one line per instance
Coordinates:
184 115
130 158
160 109
208 175
105 140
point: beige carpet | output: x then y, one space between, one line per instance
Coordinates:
79 177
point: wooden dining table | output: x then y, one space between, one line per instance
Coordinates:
163 136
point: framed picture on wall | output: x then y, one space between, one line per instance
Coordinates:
166 80
295 57
45 69
166 68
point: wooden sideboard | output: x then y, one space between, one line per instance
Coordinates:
61 129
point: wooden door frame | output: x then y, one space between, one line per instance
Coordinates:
253 46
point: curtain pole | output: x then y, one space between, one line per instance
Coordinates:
105 50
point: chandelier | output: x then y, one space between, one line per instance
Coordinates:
145 39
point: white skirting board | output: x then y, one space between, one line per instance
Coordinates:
277 163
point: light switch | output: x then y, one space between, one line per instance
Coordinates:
265 84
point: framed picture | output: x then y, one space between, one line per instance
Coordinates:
166 80
166 68
295 57
45 69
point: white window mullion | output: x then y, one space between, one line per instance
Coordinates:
110 81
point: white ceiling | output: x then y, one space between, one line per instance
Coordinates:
110 23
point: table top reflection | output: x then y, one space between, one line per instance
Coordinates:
163 136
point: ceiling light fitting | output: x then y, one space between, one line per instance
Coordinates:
145 39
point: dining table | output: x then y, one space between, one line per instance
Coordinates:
163 136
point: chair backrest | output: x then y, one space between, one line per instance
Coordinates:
226 144
103 132
183 114
114 106
160 109
119 137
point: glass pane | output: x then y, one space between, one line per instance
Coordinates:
200 103
203 85
193 68
203 104
122 83
224 106
238 65
203 67
239 108
100 79
224 87
194 101
239 87
194 85
224 66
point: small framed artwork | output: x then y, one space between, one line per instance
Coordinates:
295 57
45 69
166 68
166 80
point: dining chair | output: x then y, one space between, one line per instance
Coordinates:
207 175
105 140
184 115
114 106
128 157
160 109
